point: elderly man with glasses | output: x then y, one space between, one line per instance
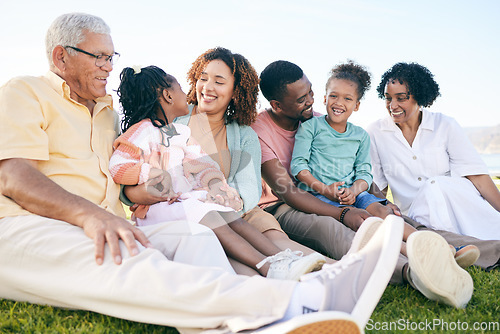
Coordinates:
100 60
64 240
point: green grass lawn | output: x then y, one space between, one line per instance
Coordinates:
28 318
401 309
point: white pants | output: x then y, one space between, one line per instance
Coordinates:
179 283
190 209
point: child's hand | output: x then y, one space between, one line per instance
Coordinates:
346 196
160 184
221 193
332 191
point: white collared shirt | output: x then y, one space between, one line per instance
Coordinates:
439 148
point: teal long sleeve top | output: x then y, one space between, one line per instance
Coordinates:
331 156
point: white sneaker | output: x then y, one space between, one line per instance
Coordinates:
290 265
356 283
434 272
319 322
365 233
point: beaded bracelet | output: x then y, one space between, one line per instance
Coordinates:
342 214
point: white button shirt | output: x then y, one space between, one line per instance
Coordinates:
440 148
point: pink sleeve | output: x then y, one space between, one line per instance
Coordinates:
264 139
267 152
199 166
127 164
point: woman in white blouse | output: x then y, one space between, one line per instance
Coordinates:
435 175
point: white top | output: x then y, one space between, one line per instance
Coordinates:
440 148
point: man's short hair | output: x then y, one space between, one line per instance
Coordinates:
69 29
276 76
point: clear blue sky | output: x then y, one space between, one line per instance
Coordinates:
457 40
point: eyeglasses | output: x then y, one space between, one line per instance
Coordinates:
100 60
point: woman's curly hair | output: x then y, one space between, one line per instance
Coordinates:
243 106
352 72
417 78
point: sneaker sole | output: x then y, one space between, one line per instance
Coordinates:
316 323
365 233
467 256
434 271
392 232
328 326
314 262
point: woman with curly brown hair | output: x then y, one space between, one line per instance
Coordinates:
223 103
435 174
223 97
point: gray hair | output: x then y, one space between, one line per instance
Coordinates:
68 29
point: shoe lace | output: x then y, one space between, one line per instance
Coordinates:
331 270
283 255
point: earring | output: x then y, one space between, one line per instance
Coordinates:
230 108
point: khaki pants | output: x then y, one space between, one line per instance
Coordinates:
328 236
185 281
324 234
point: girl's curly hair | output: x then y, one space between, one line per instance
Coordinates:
243 106
139 94
352 72
417 78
